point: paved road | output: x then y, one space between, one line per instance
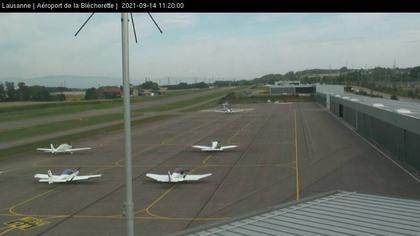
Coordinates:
262 172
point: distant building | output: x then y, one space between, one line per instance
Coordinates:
286 82
163 90
134 91
146 92
291 88
110 91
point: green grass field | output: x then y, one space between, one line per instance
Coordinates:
27 132
14 151
26 110
21 133
188 102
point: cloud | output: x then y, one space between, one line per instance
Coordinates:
204 45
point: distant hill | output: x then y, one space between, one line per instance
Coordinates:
345 75
69 81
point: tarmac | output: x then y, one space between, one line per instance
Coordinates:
286 152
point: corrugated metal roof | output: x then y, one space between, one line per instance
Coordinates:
340 213
405 108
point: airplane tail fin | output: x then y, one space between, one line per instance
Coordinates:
52 148
169 176
50 177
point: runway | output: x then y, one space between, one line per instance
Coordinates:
286 152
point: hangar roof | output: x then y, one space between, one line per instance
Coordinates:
405 108
338 213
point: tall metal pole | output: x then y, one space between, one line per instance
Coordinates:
129 206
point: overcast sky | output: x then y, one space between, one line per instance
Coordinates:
205 46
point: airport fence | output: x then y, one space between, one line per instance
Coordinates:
395 134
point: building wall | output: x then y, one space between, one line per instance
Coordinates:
282 90
292 90
397 135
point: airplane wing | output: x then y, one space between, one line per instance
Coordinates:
55 180
236 110
47 179
78 149
228 147
41 176
200 147
44 149
84 177
241 110
219 111
159 178
196 177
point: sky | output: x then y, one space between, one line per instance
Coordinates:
204 47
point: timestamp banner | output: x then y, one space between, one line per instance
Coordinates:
209 6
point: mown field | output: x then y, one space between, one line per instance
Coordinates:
28 111
24 110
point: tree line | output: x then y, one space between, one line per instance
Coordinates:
184 85
394 81
9 93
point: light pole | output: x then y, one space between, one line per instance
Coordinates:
129 206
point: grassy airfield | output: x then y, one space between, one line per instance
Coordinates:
186 100
26 110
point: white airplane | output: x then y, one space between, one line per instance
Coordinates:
68 175
215 147
63 148
228 110
178 175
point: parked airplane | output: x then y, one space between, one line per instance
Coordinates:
63 148
68 175
225 108
228 110
178 175
215 147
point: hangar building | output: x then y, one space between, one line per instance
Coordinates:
393 126
291 88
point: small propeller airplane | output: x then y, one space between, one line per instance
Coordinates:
225 108
68 175
178 175
63 148
215 147
228 110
